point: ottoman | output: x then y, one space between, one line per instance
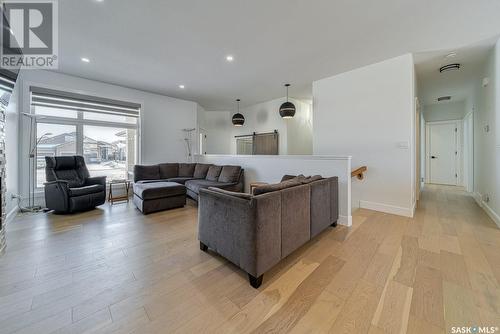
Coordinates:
158 196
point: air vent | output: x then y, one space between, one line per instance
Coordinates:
444 98
449 67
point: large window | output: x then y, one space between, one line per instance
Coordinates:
105 132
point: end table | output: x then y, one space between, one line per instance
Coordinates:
119 198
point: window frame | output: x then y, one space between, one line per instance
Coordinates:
79 123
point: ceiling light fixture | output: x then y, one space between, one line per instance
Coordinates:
444 98
85 60
238 119
287 109
449 67
182 86
229 58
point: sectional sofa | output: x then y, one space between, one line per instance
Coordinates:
256 231
165 186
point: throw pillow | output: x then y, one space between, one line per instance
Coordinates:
186 170
230 174
169 170
201 170
213 173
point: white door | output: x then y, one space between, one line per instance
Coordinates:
442 153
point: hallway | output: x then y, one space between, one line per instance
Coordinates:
114 270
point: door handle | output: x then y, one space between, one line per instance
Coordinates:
433 157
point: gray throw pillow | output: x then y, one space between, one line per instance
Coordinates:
230 174
142 172
201 170
276 187
213 173
169 170
186 170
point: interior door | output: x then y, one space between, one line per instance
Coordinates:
442 153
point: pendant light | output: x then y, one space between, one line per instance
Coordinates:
238 119
287 109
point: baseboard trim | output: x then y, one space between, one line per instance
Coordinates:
345 220
489 211
395 210
11 215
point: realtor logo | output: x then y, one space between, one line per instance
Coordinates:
29 34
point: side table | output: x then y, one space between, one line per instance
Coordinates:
119 198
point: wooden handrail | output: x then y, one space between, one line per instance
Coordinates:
359 172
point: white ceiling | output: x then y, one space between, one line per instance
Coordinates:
155 45
457 84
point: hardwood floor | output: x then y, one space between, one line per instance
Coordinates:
114 270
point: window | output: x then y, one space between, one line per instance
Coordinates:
105 132
53 140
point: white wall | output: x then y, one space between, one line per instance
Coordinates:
219 131
300 129
445 111
162 117
271 169
486 105
368 113
12 151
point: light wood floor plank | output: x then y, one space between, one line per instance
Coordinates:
114 270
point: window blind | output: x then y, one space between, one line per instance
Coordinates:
7 81
65 100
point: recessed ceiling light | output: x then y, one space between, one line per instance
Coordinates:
182 86
451 55
85 60
229 58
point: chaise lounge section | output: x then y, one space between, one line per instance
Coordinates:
165 186
256 231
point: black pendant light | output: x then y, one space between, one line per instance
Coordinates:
238 119
287 109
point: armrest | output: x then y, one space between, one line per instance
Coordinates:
245 231
57 195
95 180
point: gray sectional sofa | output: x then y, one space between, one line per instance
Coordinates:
256 231
165 186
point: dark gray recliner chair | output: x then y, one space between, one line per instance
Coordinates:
69 187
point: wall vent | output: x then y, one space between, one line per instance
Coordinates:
449 67
444 98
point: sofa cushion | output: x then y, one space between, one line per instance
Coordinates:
213 173
142 172
87 190
169 170
230 174
186 170
231 193
267 188
180 180
196 185
201 170
158 190
310 179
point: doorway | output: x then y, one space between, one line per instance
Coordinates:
443 152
